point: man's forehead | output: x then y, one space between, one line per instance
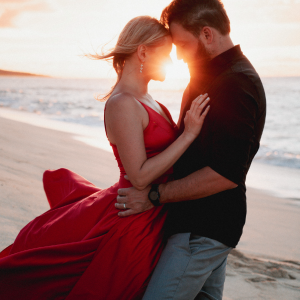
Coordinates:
176 28
179 34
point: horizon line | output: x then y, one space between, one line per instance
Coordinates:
9 73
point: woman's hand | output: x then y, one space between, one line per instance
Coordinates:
195 116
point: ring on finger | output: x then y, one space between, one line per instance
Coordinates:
124 205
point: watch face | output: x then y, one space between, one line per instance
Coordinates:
153 195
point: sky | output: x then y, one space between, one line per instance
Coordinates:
50 36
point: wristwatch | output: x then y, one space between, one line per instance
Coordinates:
154 195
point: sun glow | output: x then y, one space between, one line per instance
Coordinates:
176 68
177 74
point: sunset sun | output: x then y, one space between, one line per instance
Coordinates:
176 68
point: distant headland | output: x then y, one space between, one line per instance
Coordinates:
11 73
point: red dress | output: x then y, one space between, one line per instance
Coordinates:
80 248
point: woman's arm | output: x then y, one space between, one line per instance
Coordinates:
125 121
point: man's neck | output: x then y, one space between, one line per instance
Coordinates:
223 44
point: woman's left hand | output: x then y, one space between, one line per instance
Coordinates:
195 116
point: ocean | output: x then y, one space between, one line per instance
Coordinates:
69 105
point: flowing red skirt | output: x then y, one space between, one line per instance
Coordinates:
81 248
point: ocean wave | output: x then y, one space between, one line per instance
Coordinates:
278 157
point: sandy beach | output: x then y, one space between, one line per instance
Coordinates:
265 265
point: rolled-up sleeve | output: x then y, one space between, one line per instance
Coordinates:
232 129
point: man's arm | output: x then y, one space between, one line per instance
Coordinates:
202 183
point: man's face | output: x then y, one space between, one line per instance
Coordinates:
188 47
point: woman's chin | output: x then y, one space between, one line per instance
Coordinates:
160 78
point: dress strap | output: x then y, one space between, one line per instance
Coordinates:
144 105
147 108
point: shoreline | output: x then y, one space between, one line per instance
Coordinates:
277 181
258 267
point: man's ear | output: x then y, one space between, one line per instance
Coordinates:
207 35
141 52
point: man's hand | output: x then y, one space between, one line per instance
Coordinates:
135 201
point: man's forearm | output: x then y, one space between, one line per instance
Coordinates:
200 184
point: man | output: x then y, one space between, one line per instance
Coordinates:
207 199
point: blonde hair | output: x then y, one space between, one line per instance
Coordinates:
140 30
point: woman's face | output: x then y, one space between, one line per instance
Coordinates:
157 59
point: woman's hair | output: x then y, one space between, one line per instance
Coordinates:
140 30
193 15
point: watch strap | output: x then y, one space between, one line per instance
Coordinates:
154 195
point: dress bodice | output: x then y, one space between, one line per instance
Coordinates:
158 135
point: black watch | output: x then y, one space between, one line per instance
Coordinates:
154 195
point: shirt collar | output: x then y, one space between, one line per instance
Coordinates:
218 63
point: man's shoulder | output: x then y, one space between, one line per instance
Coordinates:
240 76
232 82
237 88
243 69
245 77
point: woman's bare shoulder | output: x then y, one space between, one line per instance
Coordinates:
121 103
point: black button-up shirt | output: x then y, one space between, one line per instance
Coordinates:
227 144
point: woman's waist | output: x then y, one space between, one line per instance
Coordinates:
124 183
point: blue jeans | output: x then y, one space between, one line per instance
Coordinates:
189 264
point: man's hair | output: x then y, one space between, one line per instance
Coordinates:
193 15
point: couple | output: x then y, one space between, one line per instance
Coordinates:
161 232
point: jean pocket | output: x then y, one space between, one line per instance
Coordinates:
195 243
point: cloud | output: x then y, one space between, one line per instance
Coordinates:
7 17
11 9
272 11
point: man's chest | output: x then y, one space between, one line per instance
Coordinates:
199 86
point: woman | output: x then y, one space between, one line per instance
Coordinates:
81 248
